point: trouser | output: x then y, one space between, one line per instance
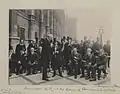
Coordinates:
99 72
83 69
76 69
59 70
44 75
31 68
45 66
88 71
39 67
79 69
24 67
63 65
66 61
12 67
108 62
93 72
70 69
18 68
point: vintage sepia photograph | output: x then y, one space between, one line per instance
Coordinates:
59 47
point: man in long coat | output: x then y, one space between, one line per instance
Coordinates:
45 56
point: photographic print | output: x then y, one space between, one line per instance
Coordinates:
59 47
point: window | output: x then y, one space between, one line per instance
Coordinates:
22 10
35 34
21 33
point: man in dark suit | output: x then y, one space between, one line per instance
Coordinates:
45 56
101 64
97 46
20 64
67 55
30 45
56 59
19 47
12 60
107 51
32 62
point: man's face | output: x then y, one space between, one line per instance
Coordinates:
40 49
69 41
48 38
33 42
56 44
108 42
85 38
21 51
75 50
98 39
32 50
101 52
10 51
21 41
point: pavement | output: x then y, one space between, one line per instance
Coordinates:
36 79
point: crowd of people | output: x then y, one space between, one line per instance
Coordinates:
86 59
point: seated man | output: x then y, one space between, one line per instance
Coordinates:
76 57
21 60
101 65
12 61
86 63
32 62
56 63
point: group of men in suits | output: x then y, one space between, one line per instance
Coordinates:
87 58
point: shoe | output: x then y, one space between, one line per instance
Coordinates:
28 74
10 75
99 78
34 73
17 73
53 75
75 77
46 79
92 80
104 76
82 76
61 75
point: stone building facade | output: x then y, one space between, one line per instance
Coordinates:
71 27
32 24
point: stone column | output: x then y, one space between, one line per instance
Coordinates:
10 26
51 22
31 24
54 25
41 24
47 24
13 28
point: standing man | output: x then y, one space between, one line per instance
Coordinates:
67 55
107 51
12 61
45 56
31 45
76 57
97 46
19 47
56 62
62 47
85 45
21 62
32 62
